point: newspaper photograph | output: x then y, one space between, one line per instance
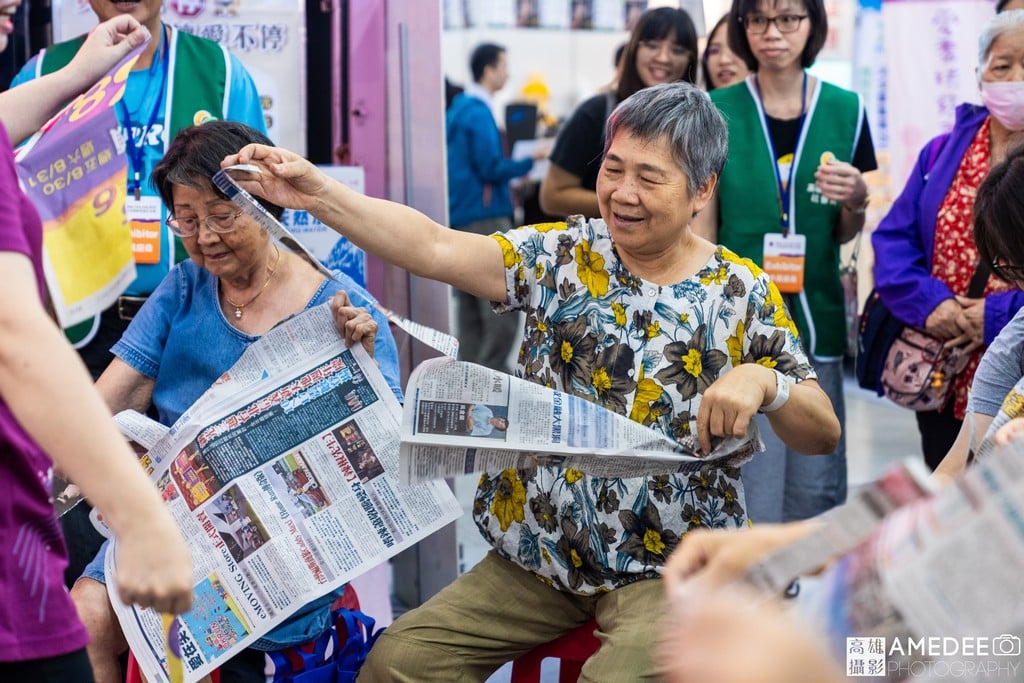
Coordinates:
283 478
461 418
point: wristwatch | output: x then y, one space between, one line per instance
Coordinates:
782 382
858 208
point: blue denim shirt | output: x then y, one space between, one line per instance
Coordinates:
181 339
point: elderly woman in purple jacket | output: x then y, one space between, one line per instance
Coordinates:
926 260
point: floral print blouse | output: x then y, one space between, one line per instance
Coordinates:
955 256
642 350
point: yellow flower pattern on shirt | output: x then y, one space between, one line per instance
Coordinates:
597 331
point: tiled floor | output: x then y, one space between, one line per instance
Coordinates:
878 434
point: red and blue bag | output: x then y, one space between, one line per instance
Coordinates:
336 655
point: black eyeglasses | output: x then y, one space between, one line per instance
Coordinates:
786 23
186 226
1008 272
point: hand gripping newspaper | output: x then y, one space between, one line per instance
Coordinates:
918 584
283 477
461 418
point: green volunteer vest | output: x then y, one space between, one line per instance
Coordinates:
186 99
749 200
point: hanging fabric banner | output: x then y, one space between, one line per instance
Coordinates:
931 51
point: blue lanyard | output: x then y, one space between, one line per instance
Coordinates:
137 152
784 188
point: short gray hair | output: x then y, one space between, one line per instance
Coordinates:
1004 22
696 132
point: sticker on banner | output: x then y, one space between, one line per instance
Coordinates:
784 257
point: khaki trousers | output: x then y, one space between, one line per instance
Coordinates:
498 611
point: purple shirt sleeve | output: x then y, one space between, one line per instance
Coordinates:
902 260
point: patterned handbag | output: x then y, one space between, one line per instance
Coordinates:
876 330
918 373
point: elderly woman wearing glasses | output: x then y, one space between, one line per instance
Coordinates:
797 149
927 267
237 285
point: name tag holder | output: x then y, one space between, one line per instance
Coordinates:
144 216
784 259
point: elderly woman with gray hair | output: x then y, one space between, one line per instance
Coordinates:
632 311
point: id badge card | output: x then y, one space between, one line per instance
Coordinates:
144 216
784 257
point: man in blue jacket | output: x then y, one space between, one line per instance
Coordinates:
479 199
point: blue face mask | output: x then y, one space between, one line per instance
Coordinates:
1005 102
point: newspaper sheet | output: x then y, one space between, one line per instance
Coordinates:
460 418
142 434
843 528
933 592
283 477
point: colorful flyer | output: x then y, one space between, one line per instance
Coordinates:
74 171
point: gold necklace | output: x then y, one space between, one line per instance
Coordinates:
241 307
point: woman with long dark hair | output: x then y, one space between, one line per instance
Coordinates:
662 48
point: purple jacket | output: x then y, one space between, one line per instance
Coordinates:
905 239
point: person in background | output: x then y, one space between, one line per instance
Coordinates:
926 259
235 287
797 149
662 48
50 414
451 89
479 199
1004 5
617 58
719 65
632 311
999 236
178 79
